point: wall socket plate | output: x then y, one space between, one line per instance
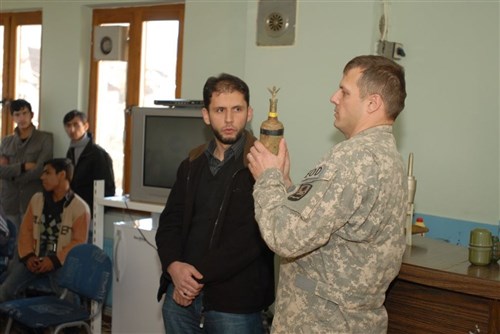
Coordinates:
391 50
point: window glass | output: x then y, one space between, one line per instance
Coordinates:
111 114
28 62
159 61
158 82
150 73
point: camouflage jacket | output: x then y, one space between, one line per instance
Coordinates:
340 235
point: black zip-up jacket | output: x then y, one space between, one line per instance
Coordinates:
238 268
94 164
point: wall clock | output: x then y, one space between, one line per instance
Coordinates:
110 43
106 45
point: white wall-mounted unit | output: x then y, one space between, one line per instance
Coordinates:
110 43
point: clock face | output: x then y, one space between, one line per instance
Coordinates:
106 45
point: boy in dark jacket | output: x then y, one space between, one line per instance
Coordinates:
91 161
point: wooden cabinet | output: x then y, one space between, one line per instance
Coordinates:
439 291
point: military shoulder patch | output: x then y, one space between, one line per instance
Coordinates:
301 191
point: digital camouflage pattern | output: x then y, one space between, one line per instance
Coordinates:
340 236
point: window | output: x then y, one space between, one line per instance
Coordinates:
152 72
160 61
20 41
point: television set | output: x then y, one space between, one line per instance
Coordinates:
161 138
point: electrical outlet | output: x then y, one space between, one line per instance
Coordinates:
398 52
391 50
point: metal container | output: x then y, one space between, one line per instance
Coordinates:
480 256
480 237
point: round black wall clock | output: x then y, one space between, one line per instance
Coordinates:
106 45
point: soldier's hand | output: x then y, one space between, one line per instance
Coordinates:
260 159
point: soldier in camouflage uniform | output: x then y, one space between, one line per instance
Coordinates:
340 232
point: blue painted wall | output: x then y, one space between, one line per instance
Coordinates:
453 230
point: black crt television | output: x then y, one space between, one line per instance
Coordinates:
161 138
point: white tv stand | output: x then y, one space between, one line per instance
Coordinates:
100 202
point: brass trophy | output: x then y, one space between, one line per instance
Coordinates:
272 130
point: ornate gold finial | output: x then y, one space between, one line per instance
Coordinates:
273 92
273 101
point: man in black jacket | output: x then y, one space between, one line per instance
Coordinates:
218 273
91 161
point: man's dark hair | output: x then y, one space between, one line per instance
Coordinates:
75 113
19 104
224 83
61 164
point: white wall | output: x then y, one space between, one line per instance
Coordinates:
214 42
451 121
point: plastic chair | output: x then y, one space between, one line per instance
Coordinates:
87 273
7 248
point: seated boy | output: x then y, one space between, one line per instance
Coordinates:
56 220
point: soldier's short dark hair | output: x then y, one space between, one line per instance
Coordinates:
383 76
